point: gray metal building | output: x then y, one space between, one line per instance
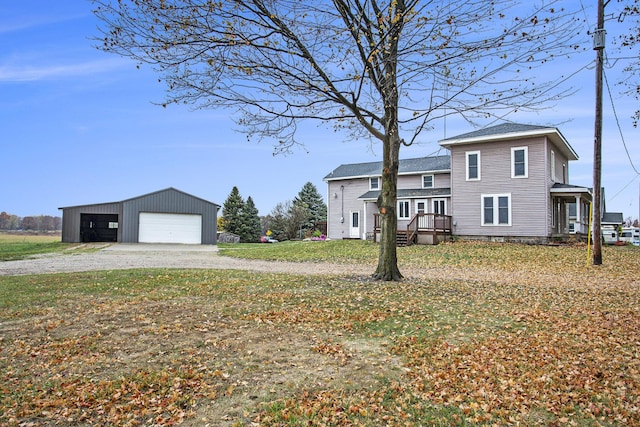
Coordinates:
165 216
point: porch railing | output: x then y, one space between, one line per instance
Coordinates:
420 223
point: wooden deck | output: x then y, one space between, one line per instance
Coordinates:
424 228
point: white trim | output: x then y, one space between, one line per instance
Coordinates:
496 214
354 231
513 162
442 201
377 178
408 202
553 166
363 221
466 169
433 180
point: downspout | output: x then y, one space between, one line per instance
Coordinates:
342 201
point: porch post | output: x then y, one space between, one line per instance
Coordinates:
364 220
578 225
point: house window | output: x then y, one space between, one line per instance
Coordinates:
440 206
427 181
496 209
553 166
519 162
374 183
473 165
403 209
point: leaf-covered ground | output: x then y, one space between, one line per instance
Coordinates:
480 334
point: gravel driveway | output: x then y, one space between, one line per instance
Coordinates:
125 256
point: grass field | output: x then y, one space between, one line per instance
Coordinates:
495 334
20 245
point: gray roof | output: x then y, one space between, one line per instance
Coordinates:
506 131
410 193
504 128
560 186
612 218
418 165
169 189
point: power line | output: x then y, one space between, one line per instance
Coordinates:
615 115
624 188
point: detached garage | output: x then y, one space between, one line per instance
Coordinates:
166 216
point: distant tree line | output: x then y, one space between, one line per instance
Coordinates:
304 216
9 222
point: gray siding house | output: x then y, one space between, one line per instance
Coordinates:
165 216
511 181
506 182
353 190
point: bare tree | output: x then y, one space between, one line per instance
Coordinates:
383 70
628 43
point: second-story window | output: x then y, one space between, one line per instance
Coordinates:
427 181
374 183
519 162
473 165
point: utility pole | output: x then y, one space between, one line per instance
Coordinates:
598 46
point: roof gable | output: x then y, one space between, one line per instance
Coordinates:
509 131
169 190
166 190
406 166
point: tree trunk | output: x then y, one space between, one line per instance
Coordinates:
388 258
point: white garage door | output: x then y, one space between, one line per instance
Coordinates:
170 228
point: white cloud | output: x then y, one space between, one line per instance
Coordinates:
37 72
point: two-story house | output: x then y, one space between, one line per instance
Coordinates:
424 186
506 182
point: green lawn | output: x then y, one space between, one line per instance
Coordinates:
494 334
20 246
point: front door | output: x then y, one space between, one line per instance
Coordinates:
354 226
421 208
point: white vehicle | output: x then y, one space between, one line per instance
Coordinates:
609 235
630 235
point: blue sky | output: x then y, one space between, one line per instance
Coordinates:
79 126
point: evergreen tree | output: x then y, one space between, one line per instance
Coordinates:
232 212
310 200
278 220
251 227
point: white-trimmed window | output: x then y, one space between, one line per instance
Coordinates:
374 183
519 162
473 165
440 206
496 209
427 181
403 209
553 166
